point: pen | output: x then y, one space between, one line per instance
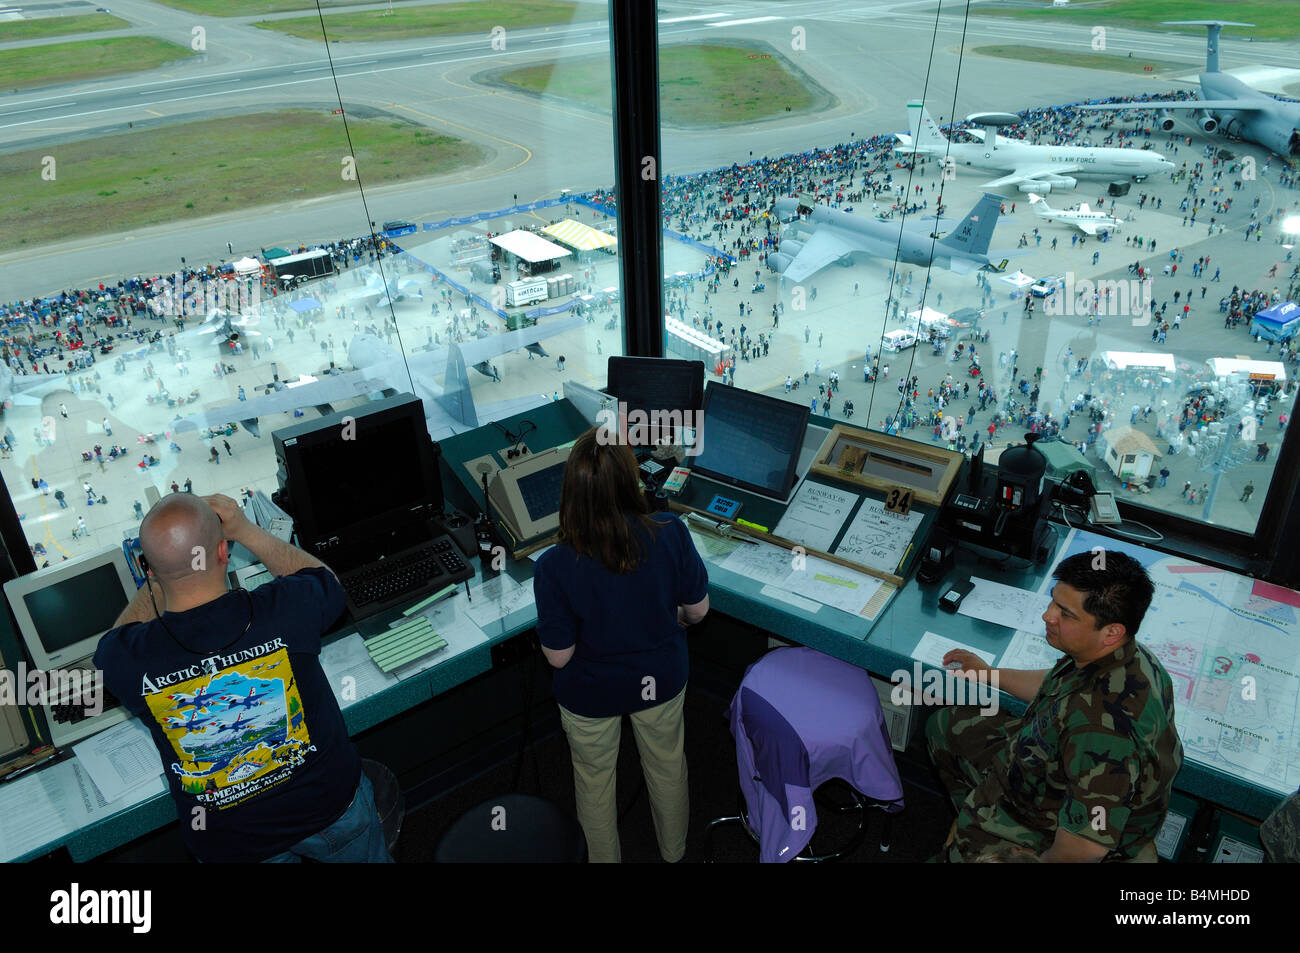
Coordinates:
467 595
907 552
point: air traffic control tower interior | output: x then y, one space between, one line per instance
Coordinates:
941 413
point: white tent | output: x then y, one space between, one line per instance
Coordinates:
1123 360
1019 279
247 266
529 247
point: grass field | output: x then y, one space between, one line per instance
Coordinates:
177 172
1115 61
437 20
698 85
15 30
1273 19
85 59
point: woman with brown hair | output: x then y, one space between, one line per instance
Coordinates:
613 598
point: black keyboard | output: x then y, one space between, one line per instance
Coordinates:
73 710
378 585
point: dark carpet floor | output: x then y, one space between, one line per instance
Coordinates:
915 834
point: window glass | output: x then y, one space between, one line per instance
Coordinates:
231 221
1102 298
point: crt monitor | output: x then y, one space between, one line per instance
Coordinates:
750 441
360 471
669 392
63 611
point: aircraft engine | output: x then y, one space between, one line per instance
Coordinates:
780 262
1234 127
791 248
1038 188
1206 121
1166 121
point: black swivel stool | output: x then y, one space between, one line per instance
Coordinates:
513 829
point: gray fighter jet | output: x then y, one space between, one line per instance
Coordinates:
837 235
1228 106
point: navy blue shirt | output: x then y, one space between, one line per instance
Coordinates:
250 732
624 626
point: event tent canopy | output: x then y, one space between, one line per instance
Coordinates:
531 248
579 236
1019 279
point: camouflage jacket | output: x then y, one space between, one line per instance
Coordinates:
1095 753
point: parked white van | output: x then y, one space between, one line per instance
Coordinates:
898 340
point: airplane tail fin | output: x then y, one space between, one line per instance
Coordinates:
926 136
976 229
1038 200
1212 28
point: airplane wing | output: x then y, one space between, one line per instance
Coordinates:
824 247
1089 228
1240 105
1031 174
384 369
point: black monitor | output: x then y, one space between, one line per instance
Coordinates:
669 393
359 472
750 440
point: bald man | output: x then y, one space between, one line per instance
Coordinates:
230 686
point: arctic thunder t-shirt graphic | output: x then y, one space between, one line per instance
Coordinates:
236 731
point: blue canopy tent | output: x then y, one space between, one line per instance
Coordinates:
1278 322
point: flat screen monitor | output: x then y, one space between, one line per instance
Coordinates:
63 611
750 441
662 396
360 471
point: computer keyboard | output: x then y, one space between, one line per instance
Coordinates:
392 580
71 710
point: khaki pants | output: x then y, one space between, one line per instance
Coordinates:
661 739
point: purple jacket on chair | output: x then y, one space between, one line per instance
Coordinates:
799 719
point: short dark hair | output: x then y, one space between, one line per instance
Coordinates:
1116 587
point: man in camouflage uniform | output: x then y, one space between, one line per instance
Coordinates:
1085 773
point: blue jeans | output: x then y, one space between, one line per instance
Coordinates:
355 838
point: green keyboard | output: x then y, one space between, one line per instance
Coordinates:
404 644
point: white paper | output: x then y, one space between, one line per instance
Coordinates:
834 585
766 563
815 515
878 538
450 621
711 546
348 658
1029 651
496 598
538 555
799 602
45 805
932 648
1233 851
1170 831
1005 605
120 759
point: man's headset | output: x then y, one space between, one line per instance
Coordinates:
144 564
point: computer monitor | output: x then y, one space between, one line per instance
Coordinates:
63 611
669 393
360 471
750 441
526 496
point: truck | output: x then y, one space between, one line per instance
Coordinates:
526 291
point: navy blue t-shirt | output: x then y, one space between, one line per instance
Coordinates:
250 732
624 626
